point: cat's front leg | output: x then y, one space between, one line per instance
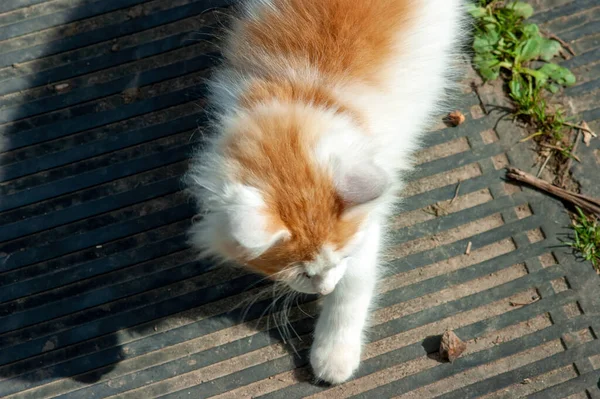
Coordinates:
339 334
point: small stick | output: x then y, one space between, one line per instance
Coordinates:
519 303
555 147
533 300
455 194
589 204
570 160
585 129
530 137
595 201
437 209
564 53
481 104
563 43
468 250
544 164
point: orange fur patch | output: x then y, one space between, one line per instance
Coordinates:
286 91
341 38
273 154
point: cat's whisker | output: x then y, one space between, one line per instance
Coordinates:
275 320
251 301
263 293
267 312
290 303
283 319
300 307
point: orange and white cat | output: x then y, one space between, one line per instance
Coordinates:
318 106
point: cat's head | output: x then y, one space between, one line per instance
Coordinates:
291 192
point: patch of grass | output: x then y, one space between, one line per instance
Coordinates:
507 46
587 238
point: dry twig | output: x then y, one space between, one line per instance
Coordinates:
438 209
524 303
544 164
555 147
567 167
589 204
583 127
562 43
455 193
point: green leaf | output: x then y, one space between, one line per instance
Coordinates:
516 89
488 67
550 69
476 12
549 49
553 88
490 27
560 75
521 9
530 49
531 30
485 42
569 79
489 74
540 77
490 19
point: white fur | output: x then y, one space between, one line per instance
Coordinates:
396 117
320 276
339 333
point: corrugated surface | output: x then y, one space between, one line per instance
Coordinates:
100 297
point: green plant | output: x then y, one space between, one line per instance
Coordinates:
506 45
587 238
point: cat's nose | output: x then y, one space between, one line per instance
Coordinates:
326 290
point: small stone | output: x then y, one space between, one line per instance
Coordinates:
130 95
526 381
451 346
135 12
454 118
115 47
62 87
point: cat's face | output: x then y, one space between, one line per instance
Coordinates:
293 196
319 276
310 255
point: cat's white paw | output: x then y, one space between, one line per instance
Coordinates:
335 363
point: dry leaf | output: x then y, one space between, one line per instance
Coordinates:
587 135
451 346
455 118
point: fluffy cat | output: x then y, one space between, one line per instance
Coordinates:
318 106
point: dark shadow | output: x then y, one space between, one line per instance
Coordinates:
431 345
97 119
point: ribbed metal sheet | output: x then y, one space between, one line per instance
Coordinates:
100 296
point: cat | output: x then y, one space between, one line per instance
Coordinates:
317 107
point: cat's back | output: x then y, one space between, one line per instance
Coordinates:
336 37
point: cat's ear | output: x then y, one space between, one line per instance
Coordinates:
361 184
250 231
